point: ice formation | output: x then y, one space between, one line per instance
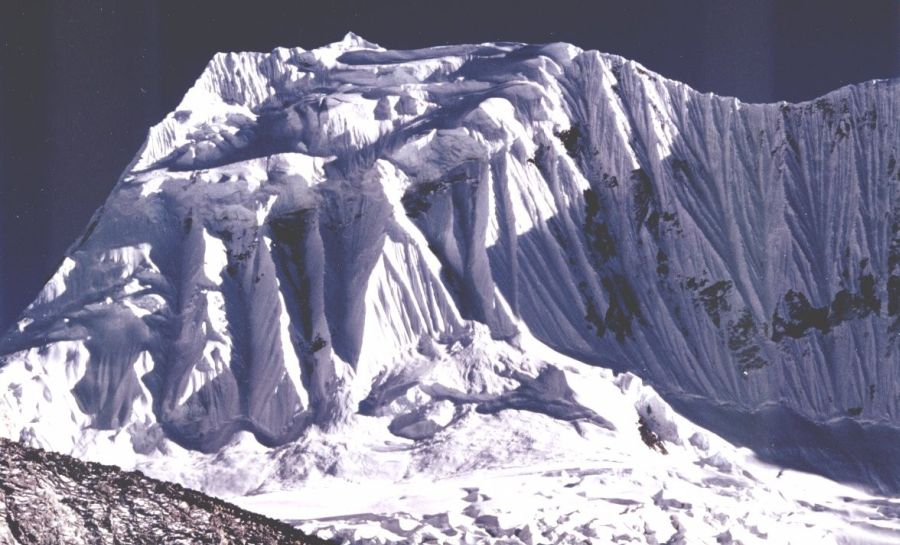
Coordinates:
356 265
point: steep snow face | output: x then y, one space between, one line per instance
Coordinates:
304 240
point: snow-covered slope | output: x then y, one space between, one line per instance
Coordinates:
358 262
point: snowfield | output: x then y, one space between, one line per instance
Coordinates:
406 296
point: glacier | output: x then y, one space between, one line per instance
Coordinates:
445 269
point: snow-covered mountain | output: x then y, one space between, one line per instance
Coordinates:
359 265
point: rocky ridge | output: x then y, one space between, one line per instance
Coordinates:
48 498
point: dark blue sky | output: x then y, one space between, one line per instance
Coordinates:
80 82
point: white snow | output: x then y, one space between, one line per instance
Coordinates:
335 287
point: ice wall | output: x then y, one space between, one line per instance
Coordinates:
308 224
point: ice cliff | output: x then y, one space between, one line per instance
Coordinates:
316 238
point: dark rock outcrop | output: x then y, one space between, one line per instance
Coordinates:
48 498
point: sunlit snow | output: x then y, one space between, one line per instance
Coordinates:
406 296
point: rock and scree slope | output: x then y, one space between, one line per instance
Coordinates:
53 498
351 236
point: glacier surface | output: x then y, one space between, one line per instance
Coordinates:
358 267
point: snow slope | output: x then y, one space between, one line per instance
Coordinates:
353 263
